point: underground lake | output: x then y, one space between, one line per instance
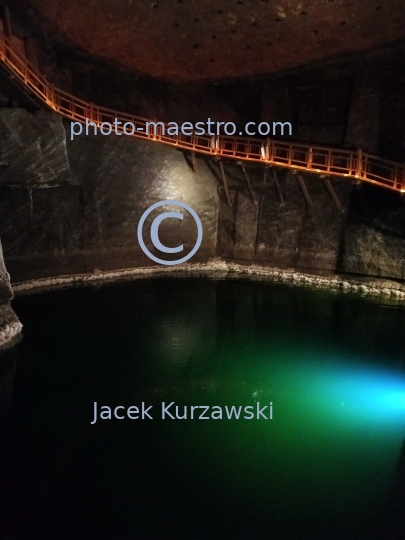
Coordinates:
326 465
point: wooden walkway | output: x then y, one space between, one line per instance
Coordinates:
353 165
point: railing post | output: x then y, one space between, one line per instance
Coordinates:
329 160
359 164
91 111
270 146
403 178
55 99
309 163
2 46
49 92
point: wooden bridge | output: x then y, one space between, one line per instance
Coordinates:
354 165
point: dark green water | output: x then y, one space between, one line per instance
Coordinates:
323 468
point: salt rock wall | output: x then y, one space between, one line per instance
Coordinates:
10 326
285 232
74 206
365 235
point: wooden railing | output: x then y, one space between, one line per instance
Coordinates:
297 156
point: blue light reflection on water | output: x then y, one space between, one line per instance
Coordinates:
368 393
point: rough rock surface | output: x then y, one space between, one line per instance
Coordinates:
86 219
83 218
218 40
30 149
10 326
374 239
5 289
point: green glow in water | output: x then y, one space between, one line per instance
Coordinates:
323 467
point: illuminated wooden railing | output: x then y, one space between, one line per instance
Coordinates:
304 157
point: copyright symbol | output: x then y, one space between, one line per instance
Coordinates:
154 232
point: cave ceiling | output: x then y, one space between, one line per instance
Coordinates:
197 40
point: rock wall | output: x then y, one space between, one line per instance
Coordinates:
365 236
74 207
10 326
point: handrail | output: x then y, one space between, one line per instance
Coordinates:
298 156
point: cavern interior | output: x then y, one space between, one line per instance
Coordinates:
202 270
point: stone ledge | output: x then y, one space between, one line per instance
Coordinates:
220 269
10 326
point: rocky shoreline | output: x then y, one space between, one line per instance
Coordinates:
220 269
10 326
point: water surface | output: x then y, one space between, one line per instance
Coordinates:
324 467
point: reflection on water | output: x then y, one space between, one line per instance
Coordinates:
7 371
326 466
